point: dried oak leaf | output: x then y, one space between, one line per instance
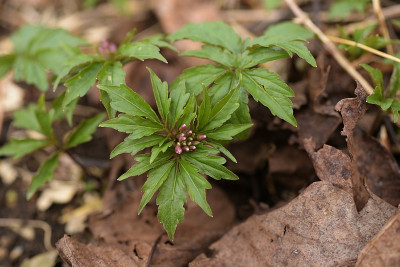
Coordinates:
352 109
384 248
321 227
330 164
134 235
100 255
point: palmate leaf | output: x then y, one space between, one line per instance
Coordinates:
21 147
136 126
271 91
127 101
214 33
79 84
84 131
170 201
45 173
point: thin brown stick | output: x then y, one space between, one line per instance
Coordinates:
382 24
364 47
303 18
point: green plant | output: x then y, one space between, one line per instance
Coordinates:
200 112
340 9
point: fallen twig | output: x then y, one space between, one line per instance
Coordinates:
303 18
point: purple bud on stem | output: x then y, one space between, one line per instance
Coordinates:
185 148
182 128
189 132
190 138
178 150
192 147
182 138
201 137
196 143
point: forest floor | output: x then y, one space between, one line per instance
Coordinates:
325 193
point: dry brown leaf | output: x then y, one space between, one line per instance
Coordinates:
132 235
384 249
352 109
330 164
100 255
321 227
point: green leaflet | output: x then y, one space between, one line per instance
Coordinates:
158 149
143 164
21 147
127 101
210 165
30 70
188 112
196 185
214 53
261 55
289 37
161 95
136 126
170 201
6 64
84 131
133 146
197 77
223 150
214 33
141 51
342 8
227 131
69 65
204 110
155 179
79 84
222 110
45 173
271 91
60 111
179 98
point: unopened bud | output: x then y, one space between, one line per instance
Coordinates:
186 149
189 132
178 144
196 143
178 150
190 138
189 143
192 147
113 48
182 134
182 128
201 137
182 138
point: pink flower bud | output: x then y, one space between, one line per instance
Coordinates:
189 143
186 149
182 128
182 138
201 137
192 147
190 138
178 150
189 132
113 48
182 134
196 143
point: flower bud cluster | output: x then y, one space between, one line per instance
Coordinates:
106 49
186 140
